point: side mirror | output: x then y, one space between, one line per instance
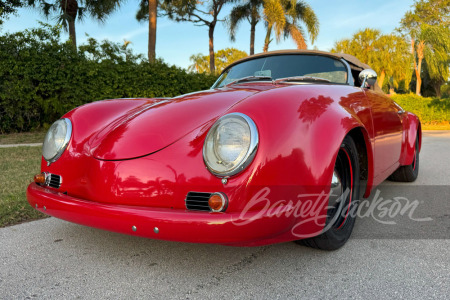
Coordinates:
367 77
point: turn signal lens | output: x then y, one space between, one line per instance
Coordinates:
39 178
218 202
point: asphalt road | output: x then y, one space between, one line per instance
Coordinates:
55 259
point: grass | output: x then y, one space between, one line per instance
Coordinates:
23 137
18 166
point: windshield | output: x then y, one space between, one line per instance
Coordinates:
282 66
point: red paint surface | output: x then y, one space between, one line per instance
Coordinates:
132 162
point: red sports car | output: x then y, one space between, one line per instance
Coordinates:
275 151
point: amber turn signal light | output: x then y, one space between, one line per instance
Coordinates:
40 178
218 202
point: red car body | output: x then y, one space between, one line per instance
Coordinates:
131 162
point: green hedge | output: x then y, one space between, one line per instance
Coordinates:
429 110
41 78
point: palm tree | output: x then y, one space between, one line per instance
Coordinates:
428 27
387 54
9 7
431 43
250 11
200 63
69 11
148 10
283 17
201 13
224 57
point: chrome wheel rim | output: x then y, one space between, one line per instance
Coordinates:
341 190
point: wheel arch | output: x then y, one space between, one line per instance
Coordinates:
365 156
419 135
412 129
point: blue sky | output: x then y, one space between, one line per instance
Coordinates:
176 42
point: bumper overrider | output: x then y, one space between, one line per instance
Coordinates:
249 229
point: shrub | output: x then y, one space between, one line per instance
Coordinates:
42 78
429 110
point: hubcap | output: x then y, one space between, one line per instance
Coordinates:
336 190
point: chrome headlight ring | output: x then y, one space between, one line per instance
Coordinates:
56 140
230 145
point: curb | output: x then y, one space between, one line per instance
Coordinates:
21 145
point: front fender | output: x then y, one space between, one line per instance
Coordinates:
299 139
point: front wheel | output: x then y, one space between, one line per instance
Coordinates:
342 202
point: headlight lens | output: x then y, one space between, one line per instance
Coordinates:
230 145
56 140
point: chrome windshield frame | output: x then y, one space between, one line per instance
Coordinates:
350 80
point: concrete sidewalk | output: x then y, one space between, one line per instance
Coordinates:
21 145
54 259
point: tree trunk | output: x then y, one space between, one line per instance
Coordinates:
267 40
418 83
418 78
380 79
252 37
152 18
438 91
72 33
212 66
418 65
70 8
253 23
437 88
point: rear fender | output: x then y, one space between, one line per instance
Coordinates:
411 130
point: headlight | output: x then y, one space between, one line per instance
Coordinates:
230 145
56 140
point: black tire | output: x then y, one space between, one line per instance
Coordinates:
410 172
340 220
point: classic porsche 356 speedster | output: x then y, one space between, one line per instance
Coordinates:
275 151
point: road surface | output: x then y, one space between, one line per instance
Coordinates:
55 259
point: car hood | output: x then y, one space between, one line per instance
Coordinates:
156 124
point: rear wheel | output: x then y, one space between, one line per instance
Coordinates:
410 172
343 199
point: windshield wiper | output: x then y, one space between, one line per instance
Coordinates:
301 78
249 78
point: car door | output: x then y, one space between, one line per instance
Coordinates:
388 131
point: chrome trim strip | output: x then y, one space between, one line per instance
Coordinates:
47 178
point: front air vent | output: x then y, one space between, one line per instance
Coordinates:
54 181
198 201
